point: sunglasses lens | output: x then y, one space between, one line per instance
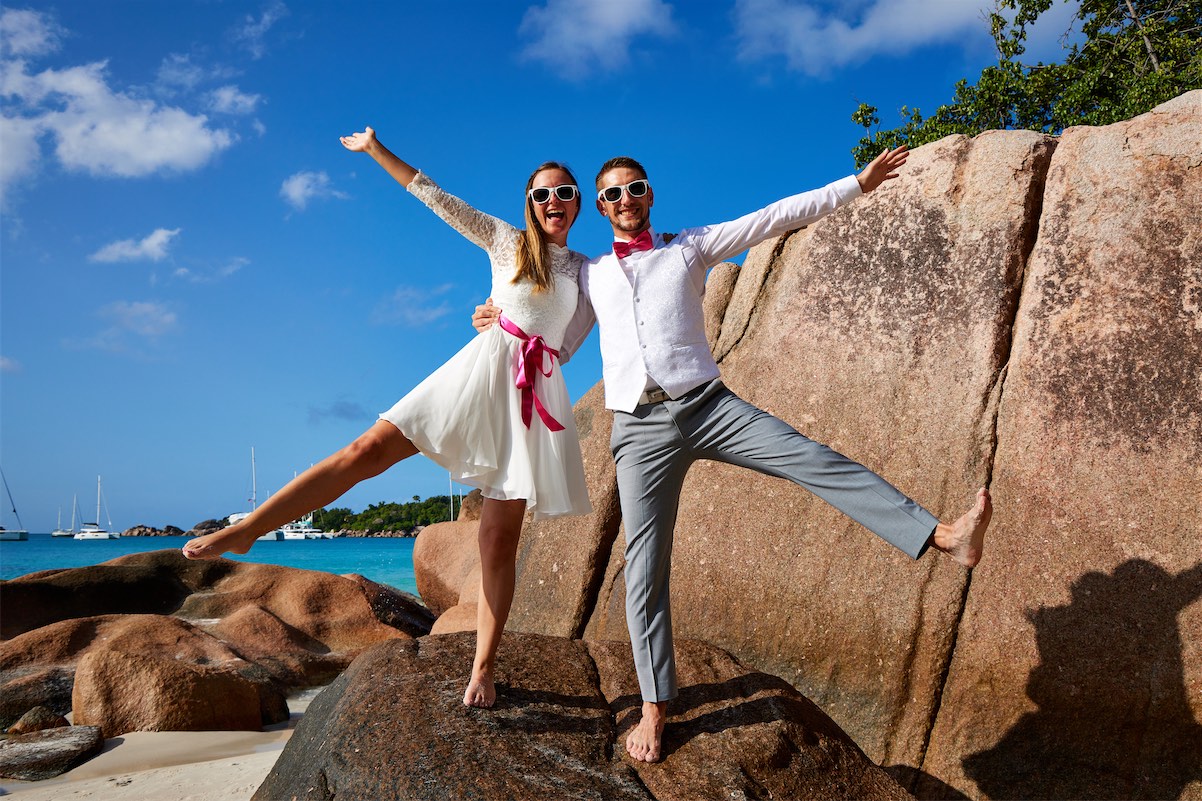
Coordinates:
612 194
637 188
540 195
566 193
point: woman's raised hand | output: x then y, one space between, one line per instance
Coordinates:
359 142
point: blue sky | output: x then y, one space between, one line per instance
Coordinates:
191 264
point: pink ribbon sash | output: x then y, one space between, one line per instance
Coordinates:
530 361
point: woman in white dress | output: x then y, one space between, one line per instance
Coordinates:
496 415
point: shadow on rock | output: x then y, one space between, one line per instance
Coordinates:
1114 719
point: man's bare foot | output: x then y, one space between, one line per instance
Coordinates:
964 540
643 742
211 546
481 692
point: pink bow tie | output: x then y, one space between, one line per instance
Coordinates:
640 242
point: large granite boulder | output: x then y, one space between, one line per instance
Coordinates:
1018 311
555 733
49 753
284 628
1084 620
120 692
66 647
445 556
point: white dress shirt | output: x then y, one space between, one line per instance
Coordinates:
649 304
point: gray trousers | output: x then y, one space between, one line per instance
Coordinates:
654 446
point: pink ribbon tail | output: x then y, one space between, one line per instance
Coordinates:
530 361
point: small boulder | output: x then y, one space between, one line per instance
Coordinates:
38 719
46 754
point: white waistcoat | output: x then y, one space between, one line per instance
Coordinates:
653 326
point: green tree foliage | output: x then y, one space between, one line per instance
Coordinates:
1136 55
388 516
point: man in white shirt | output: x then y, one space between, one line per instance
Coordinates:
671 408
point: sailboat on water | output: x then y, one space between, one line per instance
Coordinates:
67 532
93 531
12 534
270 536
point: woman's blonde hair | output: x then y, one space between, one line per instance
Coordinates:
533 256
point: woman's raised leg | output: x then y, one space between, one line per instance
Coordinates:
500 529
373 452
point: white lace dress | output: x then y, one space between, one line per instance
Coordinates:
467 416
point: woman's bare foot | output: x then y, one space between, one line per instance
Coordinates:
643 742
481 691
211 546
964 540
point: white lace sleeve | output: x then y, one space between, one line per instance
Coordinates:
479 228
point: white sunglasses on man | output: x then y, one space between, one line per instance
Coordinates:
612 194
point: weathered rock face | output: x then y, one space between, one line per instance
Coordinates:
879 331
46 754
121 692
276 627
1018 312
553 733
1084 620
151 638
38 719
444 556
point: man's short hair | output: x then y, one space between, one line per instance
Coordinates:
620 162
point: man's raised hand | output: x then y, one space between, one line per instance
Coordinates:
882 168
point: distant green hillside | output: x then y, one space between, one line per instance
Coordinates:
389 516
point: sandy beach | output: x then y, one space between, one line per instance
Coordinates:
175 765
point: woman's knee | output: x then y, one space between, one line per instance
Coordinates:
500 528
373 451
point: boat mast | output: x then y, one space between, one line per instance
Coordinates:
254 490
20 525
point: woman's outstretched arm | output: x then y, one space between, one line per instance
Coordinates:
366 142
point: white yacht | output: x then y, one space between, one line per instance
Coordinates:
67 532
93 531
303 530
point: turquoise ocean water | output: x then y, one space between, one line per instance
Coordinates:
387 560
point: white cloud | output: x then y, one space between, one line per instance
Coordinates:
177 70
231 100
412 306
96 128
8 365
577 36
250 34
27 33
151 248
207 276
131 324
298 189
144 318
103 132
814 39
21 153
